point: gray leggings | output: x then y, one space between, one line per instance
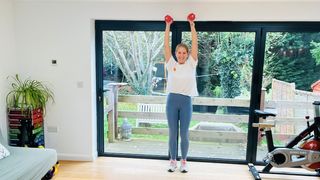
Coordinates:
179 107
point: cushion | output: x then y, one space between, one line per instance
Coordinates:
3 152
27 163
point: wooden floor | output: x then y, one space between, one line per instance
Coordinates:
129 169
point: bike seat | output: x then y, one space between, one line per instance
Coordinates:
263 114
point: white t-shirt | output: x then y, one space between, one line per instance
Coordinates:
182 77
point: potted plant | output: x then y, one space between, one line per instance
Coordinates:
26 104
28 94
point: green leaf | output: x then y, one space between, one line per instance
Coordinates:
28 94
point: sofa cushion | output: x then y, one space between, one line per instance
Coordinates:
27 163
3 152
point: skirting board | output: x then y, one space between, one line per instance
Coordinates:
77 157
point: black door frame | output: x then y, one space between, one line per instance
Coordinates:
259 28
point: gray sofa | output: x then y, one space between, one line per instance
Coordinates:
26 163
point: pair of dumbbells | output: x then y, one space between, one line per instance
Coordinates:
190 17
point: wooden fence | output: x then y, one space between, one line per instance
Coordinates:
278 105
291 104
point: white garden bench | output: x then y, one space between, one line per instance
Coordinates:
158 108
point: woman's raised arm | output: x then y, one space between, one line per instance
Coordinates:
194 43
167 49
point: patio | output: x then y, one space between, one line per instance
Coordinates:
196 149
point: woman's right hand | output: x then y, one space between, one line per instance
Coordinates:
191 23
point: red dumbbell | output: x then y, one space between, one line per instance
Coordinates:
191 17
168 18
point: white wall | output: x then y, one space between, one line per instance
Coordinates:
7 64
64 31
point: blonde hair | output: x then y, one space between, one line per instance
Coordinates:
183 46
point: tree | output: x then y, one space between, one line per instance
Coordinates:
135 54
234 54
225 63
315 51
289 58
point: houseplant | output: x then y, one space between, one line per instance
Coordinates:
26 102
28 94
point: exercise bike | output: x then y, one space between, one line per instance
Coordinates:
305 155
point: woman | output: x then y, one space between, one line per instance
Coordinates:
181 87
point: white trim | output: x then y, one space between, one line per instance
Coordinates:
77 157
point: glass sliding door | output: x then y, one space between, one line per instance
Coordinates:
221 112
235 60
290 77
136 59
220 119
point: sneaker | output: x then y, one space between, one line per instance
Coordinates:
183 166
172 166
